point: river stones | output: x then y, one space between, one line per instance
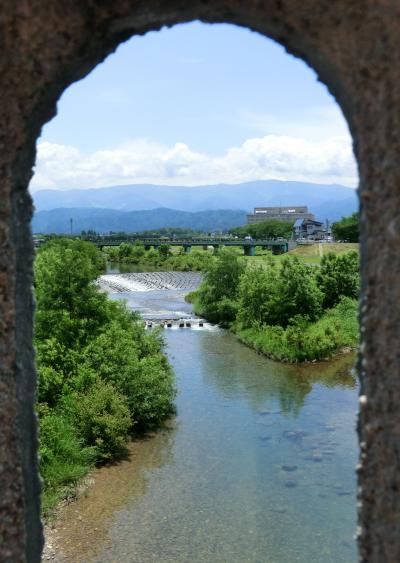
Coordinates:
294 435
328 451
341 492
263 412
264 438
263 422
289 468
316 456
291 484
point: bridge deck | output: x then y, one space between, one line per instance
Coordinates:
192 242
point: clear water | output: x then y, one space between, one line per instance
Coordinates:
257 466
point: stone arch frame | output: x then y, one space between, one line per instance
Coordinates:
354 47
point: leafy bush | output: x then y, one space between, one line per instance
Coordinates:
102 418
132 361
153 390
63 456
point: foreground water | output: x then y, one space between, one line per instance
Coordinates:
257 465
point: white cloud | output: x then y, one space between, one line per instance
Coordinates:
272 156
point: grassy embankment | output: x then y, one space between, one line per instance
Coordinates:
285 308
102 377
307 253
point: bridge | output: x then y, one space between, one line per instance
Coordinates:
277 246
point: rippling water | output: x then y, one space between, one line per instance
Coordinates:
257 466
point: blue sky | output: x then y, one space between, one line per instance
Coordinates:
195 104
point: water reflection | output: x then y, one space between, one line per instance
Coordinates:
264 381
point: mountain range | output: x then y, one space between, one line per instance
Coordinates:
111 208
104 220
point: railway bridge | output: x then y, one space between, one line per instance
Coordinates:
277 246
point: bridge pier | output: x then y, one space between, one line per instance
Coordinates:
205 246
187 248
281 249
216 248
249 250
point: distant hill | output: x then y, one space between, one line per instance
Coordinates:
326 201
104 220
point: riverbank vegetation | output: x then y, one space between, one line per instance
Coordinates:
102 377
168 258
161 258
288 310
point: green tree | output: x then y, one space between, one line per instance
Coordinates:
124 355
265 229
164 250
259 298
69 307
277 294
132 253
299 293
217 295
347 229
339 276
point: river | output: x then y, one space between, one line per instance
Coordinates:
257 466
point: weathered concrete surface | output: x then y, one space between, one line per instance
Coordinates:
354 47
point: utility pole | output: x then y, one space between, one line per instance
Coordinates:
71 223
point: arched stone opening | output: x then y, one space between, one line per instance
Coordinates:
354 49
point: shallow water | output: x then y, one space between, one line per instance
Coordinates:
257 466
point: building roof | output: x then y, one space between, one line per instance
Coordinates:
298 222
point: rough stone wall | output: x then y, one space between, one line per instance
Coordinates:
354 47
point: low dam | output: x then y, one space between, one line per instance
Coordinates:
257 465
